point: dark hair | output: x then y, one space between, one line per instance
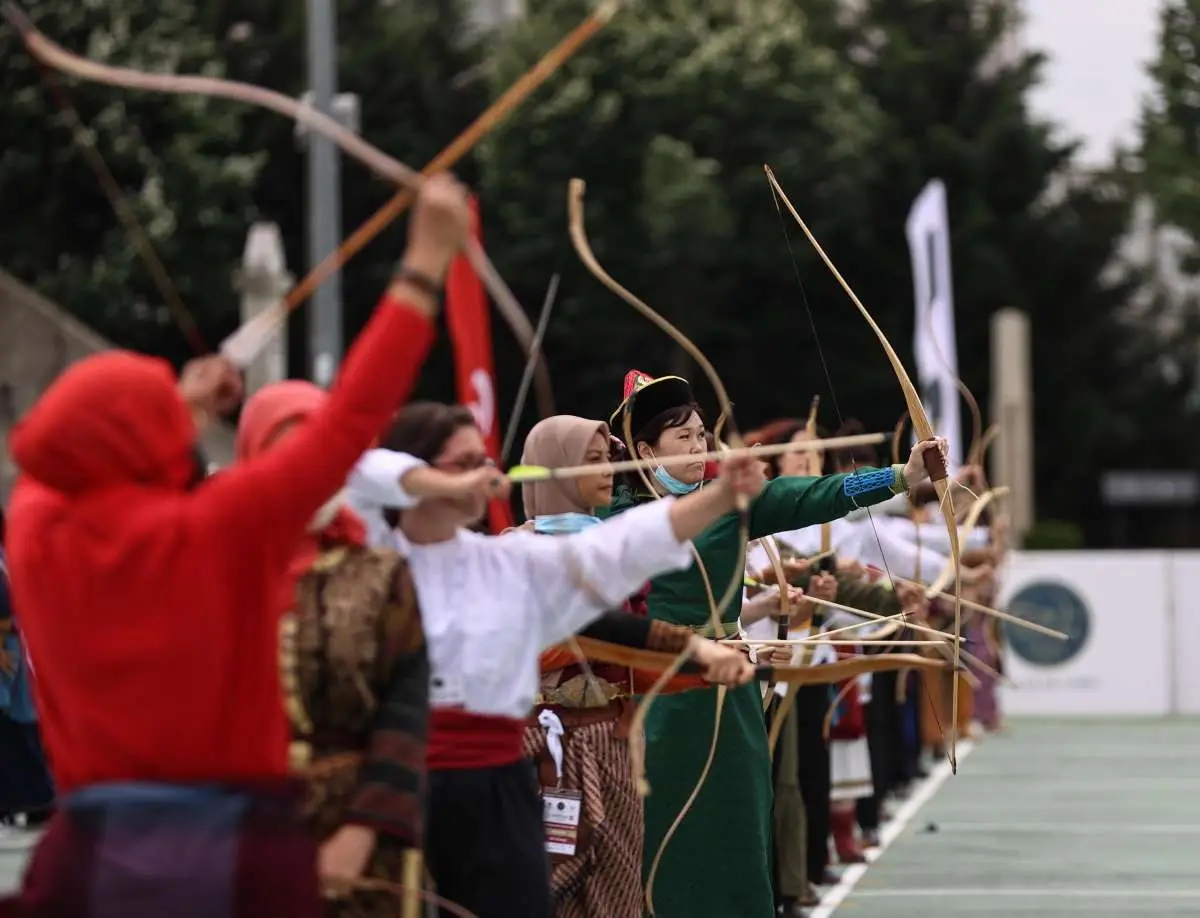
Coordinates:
848 458
780 431
421 429
666 420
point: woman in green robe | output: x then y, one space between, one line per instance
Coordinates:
718 862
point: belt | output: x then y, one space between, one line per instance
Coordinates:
585 717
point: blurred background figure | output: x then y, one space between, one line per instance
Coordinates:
26 793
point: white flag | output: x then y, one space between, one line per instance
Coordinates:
935 347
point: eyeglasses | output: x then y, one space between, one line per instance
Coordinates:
465 463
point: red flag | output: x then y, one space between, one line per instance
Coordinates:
469 321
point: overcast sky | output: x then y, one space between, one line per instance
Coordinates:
1095 78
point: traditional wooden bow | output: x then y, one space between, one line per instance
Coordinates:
583 248
935 463
245 344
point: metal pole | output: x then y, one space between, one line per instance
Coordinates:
262 281
324 194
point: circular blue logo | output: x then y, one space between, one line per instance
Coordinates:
1056 606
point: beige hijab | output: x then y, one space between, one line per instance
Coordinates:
557 442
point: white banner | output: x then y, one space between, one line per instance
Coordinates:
935 348
1183 596
1116 607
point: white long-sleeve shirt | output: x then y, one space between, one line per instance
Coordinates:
490 605
374 486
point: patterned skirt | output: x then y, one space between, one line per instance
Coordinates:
604 878
149 851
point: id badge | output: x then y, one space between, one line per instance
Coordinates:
561 810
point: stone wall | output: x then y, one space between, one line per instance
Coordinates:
37 341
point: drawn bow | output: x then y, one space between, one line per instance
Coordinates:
935 463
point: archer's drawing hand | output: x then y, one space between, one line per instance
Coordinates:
343 858
211 386
743 476
721 664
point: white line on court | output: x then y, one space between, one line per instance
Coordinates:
1079 828
923 794
1034 893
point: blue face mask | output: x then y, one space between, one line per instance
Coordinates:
563 523
673 484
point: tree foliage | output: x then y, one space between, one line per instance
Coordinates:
1028 230
179 162
669 116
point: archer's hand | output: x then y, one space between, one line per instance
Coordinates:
823 586
440 225
426 482
914 470
211 386
721 664
795 601
743 476
793 569
344 856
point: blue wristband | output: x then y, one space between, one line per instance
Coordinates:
862 482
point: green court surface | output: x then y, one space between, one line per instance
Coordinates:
1057 817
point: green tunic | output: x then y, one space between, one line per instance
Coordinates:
718 864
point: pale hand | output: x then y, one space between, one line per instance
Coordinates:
211 386
440 225
792 570
743 476
721 664
344 856
914 470
486 482
775 655
795 598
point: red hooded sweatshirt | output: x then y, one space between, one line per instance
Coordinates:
150 610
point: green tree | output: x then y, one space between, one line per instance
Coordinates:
178 161
415 70
1170 123
1030 230
669 115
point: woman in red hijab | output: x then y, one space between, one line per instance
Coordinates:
149 603
356 679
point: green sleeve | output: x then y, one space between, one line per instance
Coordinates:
870 597
795 502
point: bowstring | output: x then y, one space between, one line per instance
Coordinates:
125 213
837 408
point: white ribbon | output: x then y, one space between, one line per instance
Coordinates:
554 733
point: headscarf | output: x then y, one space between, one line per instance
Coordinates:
111 420
558 442
265 413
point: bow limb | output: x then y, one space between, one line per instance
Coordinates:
935 464
583 248
969 523
817 468
785 608
575 195
244 345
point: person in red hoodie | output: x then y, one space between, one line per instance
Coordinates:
148 601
